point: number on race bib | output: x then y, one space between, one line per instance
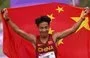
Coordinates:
47 55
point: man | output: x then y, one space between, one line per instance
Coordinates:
44 44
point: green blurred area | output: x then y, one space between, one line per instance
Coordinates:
4 4
84 3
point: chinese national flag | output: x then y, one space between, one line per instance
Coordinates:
63 17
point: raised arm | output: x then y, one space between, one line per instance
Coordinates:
20 32
71 30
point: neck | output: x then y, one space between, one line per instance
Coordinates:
44 37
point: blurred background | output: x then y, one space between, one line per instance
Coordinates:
21 3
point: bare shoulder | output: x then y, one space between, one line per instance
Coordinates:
33 36
54 36
57 36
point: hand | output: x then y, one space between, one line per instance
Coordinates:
5 14
84 12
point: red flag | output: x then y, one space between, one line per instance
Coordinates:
63 17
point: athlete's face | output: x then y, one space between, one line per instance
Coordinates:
43 29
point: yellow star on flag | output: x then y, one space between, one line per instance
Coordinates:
50 31
51 16
59 9
60 42
84 24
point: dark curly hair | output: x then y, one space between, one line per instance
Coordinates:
42 19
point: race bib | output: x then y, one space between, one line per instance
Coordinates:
47 55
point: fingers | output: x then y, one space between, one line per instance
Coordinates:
4 10
87 10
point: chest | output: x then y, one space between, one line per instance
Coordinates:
48 46
46 50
